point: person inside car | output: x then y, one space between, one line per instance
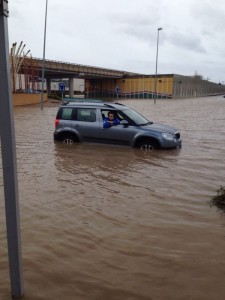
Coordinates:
110 120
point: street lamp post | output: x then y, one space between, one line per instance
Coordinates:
43 60
156 64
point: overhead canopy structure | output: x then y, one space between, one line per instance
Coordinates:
56 69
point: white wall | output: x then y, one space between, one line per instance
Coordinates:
78 84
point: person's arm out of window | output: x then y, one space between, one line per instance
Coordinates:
106 123
116 122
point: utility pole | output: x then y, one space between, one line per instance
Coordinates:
8 146
43 59
156 64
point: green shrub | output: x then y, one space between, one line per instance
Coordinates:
54 96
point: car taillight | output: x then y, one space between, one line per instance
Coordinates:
56 122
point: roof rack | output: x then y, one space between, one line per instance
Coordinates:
109 105
80 100
112 106
119 103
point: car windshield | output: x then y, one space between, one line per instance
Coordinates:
136 117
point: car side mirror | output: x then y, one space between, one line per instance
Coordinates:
124 123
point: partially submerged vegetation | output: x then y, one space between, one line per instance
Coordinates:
219 199
55 97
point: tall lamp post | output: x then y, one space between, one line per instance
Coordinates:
156 64
43 61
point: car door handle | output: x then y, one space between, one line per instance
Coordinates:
75 125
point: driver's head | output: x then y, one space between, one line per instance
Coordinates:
111 115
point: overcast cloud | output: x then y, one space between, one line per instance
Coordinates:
122 34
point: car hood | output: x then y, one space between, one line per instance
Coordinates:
159 128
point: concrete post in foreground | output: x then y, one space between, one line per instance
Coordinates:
71 88
48 86
7 134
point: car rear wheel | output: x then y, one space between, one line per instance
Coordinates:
68 139
148 145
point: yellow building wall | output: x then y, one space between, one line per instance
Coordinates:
27 99
139 87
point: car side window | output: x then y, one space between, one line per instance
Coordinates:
86 114
122 116
119 116
66 113
105 114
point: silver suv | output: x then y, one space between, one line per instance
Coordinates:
83 122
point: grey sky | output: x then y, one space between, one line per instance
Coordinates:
122 34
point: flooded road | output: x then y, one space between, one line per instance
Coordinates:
106 222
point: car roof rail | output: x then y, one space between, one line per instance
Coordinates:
109 105
82 100
66 101
112 106
119 103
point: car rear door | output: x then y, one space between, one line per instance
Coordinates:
86 124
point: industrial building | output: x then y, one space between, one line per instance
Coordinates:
95 82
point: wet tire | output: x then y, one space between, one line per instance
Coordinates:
68 139
148 145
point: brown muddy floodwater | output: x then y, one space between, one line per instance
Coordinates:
106 222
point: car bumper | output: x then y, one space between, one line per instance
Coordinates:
179 144
176 143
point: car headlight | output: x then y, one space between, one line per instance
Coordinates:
168 136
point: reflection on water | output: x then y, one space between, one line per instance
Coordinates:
107 222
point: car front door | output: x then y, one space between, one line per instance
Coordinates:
117 134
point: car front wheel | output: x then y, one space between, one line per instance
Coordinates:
148 145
